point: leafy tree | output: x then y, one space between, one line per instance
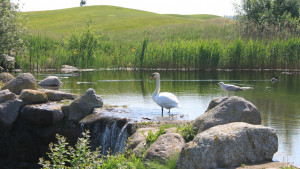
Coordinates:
269 15
82 2
12 29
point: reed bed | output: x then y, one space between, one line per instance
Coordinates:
200 54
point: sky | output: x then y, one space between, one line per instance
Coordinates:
216 7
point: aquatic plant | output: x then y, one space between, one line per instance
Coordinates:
202 54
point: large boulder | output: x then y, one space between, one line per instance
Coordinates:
33 96
213 103
233 109
137 142
50 81
5 77
6 95
22 81
165 147
42 114
9 112
139 136
55 95
7 62
83 106
229 145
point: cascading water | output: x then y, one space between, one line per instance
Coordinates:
110 133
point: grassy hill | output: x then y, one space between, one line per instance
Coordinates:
110 18
134 38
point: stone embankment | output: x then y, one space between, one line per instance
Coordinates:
30 118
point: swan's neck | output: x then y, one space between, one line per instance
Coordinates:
157 89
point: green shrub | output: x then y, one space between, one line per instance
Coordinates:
81 156
151 138
187 132
61 156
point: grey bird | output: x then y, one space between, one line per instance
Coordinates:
232 88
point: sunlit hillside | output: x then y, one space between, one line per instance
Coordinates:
109 18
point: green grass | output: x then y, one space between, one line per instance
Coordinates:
289 167
170 164
113 19
120 38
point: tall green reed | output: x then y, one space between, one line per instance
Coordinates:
90 48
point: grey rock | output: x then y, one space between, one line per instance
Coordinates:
26 147
83 106
9 112
229 145
216 102
234 109
137 142
69 69
42 114
55 95
5 77
50 81
140 136
140 149
8 62
6 95
22 81
165 147
33 96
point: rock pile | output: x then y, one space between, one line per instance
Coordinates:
30 118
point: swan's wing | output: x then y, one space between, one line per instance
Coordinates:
167 100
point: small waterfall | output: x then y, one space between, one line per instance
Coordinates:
120 143
109 133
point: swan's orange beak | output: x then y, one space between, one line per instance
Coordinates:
152 76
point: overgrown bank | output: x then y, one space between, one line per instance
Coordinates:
87 51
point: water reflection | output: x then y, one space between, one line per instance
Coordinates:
278 102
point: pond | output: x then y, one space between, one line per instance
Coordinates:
278 102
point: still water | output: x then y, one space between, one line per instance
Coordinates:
278 102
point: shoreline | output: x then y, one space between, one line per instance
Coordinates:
163 69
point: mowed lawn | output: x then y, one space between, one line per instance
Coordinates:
109 18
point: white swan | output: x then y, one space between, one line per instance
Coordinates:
165 99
